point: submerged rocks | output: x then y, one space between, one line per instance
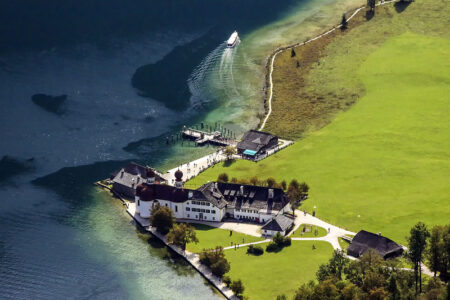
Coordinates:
53 104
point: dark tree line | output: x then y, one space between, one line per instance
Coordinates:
372 277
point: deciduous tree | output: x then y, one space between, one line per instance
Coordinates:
229 152
223 177
254 180
215 259
162 218
294 194
237 287
181 235
371 5
271 182
417 243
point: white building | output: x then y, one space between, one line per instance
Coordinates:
280 224
212 201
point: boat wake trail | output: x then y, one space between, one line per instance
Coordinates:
212 80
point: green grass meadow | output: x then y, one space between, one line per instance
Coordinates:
210 237
272 274
384 164
300 234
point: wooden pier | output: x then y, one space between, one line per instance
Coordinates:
202 137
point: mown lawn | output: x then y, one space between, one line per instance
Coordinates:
384 164
299 231
210 237
273 274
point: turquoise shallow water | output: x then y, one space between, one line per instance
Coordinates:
60 237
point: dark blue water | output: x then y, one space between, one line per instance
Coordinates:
86 86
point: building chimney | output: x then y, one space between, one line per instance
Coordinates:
190 194
270 196
216 185
242 190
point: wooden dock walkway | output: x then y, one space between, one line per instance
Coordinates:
201 137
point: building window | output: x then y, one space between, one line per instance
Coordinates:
188 215
139 202
188 208
166 204
176 208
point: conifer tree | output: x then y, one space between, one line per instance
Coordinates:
344 22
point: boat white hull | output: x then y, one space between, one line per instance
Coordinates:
233 40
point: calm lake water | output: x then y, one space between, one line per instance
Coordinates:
130 74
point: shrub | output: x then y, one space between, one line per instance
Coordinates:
255 250
222 177
278 242
287 241
272 247
226 280
254 180
220 267
237 287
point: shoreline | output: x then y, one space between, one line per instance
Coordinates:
192 258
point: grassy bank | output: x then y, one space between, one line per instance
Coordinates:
308 95
383 164
273 274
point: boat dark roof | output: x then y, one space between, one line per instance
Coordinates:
279 223
365 240
255 140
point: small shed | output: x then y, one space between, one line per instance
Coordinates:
256 142
280 223
365 240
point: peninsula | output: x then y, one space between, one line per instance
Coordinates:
372 152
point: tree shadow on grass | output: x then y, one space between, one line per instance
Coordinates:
400 6
370 14
228 163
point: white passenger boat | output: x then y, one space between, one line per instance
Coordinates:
233 39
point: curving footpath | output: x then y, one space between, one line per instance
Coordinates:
279 50
332 237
